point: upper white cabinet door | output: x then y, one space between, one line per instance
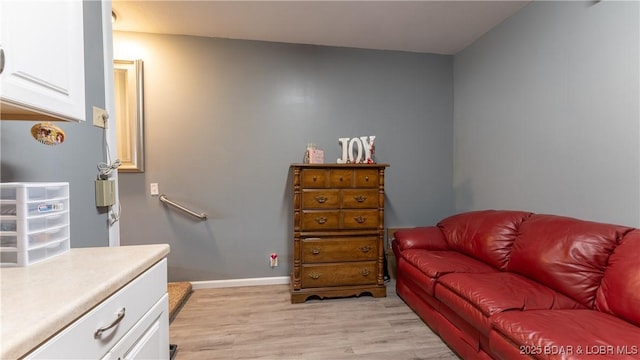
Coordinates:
42 46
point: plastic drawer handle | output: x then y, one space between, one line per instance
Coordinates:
115 322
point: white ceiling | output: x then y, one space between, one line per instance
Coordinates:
441 27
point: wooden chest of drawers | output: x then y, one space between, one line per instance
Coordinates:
338 230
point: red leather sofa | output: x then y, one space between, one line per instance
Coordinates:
517 285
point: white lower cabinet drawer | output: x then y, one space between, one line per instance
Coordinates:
149 338
96 333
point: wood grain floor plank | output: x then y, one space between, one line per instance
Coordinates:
259 322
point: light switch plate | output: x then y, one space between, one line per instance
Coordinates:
153 189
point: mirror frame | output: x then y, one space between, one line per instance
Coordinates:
129 108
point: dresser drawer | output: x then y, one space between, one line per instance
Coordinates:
320 220
366 178
341 178
314 178
360 219
356 273
319 250
359 199
353 273
320 199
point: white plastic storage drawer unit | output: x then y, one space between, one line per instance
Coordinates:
34 222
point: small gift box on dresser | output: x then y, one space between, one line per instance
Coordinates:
313 155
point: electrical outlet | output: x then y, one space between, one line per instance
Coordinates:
273 260
153 189
100 117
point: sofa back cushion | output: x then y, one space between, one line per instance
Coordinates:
568 255
486 235
619 292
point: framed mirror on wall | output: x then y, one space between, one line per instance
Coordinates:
129 101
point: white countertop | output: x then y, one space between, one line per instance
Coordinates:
39 300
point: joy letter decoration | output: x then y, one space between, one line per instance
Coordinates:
357 150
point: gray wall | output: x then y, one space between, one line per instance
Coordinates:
546 114
75 160
226 118
545 119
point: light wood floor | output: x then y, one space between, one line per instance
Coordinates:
260 322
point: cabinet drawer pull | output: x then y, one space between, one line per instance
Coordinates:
321 220
314 275
365 272
360 219
115 322
365 248
366 178
360 198
315 251
315 178
321 199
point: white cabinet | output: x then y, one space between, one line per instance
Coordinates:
133 323
42 60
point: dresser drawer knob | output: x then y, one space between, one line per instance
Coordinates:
360 198
314 275
365 248
315 178
366 178
321 199
115 322
321 220
315 251
365 272
360 219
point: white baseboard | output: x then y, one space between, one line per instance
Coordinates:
214 284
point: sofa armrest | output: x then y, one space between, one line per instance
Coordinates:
426 238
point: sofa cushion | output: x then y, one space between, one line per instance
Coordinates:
434 264
568 255
619 292
487 235
566 334
476 297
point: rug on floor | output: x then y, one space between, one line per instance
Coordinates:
178 294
